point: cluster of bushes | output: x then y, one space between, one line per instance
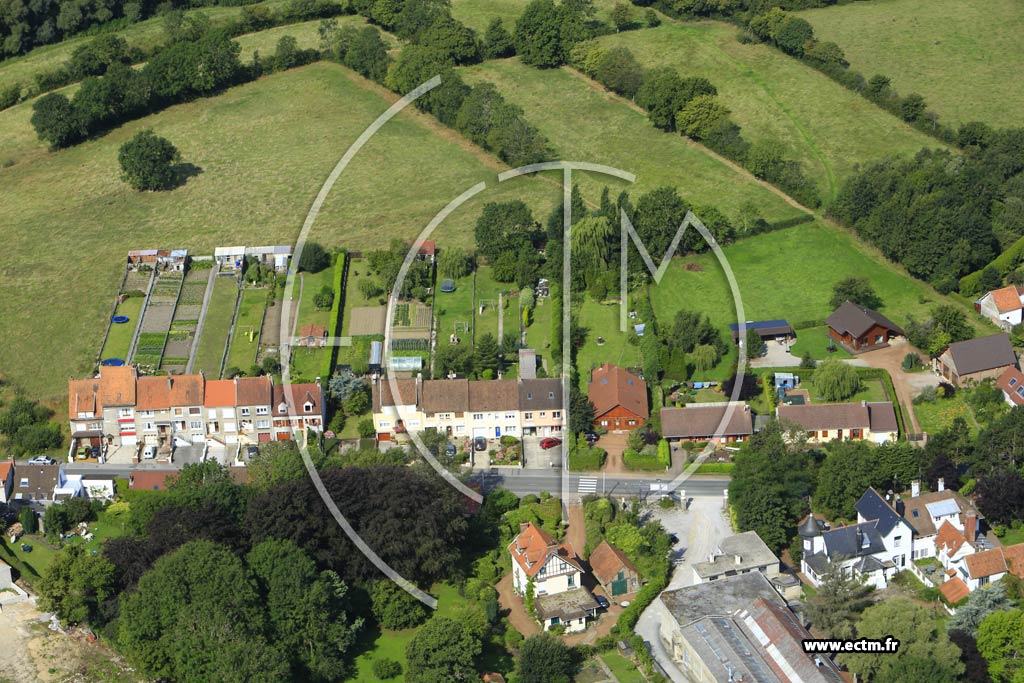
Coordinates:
583 457
939 213
27 428
688 105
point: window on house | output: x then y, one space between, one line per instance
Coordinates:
529 395
125 412
510 429
551 394
478 416
262 424
897 541
263 410
528 416
543 570
195 411
195 424
146 413
1020 391
556 414
572 580
459 429
244 412
178 411
1013 382
23 483
384 424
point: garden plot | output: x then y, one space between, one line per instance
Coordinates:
245 337
367 320
186 319
217 326
156 321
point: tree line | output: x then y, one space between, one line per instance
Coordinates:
549 34
95 57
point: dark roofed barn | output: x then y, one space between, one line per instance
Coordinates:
860 329
767 329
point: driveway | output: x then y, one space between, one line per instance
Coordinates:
907 384
537 457
776 356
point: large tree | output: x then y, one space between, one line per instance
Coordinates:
75 585
543 658
835 380
308 611
442 651
504 227
921 637
859 290
197 617
148 162
838 603
980 603
1001 641
538 34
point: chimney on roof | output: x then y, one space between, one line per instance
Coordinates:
915 488
170 383
738 559
901 508
970 527
523 526
942 484
864 404
860 538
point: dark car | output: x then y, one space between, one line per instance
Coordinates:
96 452
549 442
591 437
450 450
602 601
673 538
252 451
480 443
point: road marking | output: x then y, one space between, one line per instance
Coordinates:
588 486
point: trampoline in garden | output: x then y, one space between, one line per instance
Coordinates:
112 362
447 285
119 319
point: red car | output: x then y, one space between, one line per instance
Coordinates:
549 442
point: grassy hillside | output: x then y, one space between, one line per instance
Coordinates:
584 123
775 97
144 34
265 149
964 56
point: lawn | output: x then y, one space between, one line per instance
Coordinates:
306 364
963 56
217 326
245 338
453 308
486 322
602 320
283 135
815 340
871 390
773 97
144 34
623 669
586 124
538 334
392 644
305 34
119 339
788 274
938 415
309 314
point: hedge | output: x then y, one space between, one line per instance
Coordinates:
715 468
637 461
646 595
585 459
1003 263
334 326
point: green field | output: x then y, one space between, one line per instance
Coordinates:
602 320
487 290
119 339
775 98
625 671
246 335
455 307
963 56
305 34
265 149
309 314
477 14
939 414
538 334
144 34
788 274
587 124
217 326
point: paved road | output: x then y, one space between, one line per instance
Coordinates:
555 481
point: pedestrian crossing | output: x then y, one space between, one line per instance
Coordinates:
588 485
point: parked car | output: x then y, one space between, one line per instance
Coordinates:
480 443
602 601
149 452
252 451
450 450
591 437
96 452
549 442
42 460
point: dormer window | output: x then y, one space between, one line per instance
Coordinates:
308 407
282 408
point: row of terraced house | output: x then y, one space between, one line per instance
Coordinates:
120 408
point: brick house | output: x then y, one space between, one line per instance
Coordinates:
823 422
859 329
614 571
974 360
619 398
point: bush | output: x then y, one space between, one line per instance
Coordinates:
911 361
366 428
386 668
635 460
927 395
314 258
28 520
148 162
395 609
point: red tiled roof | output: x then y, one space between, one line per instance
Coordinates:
606 561
150 480
949 538
1010 381
986 563
117 385
294 396
153 394
253 391
219 393
185 390
82 396
428 247
1006 299
313 331
5 470
532 547
954 590
1015 559
611 386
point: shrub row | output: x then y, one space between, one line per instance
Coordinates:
334 326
